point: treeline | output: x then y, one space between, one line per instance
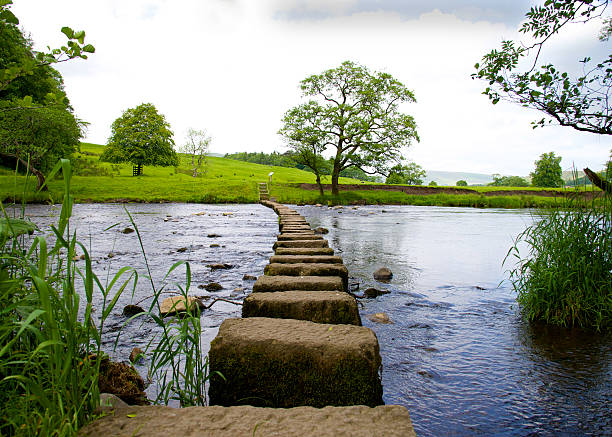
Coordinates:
287 159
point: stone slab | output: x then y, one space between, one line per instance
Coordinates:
354 421
267 284
315 306
305 231
301 243
293 259
284 363
304 251
308 269
298 236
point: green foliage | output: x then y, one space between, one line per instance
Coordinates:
548 171
565 280
355 113
462 183
508 181
410 174
433 184
196 145
580 102
141 136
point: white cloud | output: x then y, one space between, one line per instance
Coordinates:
233 67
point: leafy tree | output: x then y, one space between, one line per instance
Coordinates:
36 122
508 181
141 136
581 102
355 113
433 184
410 174
548 171
196 145
462 183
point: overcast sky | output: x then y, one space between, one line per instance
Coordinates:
233 67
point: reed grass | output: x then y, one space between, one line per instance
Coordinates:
566 278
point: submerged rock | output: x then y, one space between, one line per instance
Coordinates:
213 235
383 274
127 230
379 318
373 292
181 249
214 245
219 266
132 310
212 286
137 354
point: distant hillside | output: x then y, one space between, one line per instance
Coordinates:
451 177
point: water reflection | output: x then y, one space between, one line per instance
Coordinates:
458 355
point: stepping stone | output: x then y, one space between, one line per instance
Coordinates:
308 269
304 251
284 363
315 306
298 231
301 243
293 259
298 236
157 421
294 228
307 283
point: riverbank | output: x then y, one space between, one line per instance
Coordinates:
229 181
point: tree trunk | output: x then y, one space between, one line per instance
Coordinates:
597 180
320 185
39 176
334 181
193 165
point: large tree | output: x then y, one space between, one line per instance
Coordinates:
37 125
547 171
409 174
356 114
141 136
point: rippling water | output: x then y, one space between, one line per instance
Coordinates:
457 354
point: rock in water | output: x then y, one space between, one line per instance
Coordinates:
132 310
219 266
123 381
373 292
176 304
127 230
249 278
321 230
383 274
212 286
379 318
136 355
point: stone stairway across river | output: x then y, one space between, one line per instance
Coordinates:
298 362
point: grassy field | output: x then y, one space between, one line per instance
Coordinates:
228 181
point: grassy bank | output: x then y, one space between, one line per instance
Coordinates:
230 181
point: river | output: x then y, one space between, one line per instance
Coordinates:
457 353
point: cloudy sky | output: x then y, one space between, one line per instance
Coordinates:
233 67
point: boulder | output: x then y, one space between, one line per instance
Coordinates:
249 278
265 284
304 251
132 310
176 304
157 421
214 245
211 286
109 403
293 259
315 306
123 381
301 243
127 230
321 230
284 363
383 274
373 292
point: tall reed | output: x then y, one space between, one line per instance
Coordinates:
566 279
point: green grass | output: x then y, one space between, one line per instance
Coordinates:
228 181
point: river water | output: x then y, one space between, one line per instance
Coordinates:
456 354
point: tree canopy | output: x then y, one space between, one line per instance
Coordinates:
356 114
37 125
578 101
409 174
196 145
508 181
547 171
141 136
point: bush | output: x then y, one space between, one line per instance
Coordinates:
566 278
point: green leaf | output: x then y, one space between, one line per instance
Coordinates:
89 48
68 32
